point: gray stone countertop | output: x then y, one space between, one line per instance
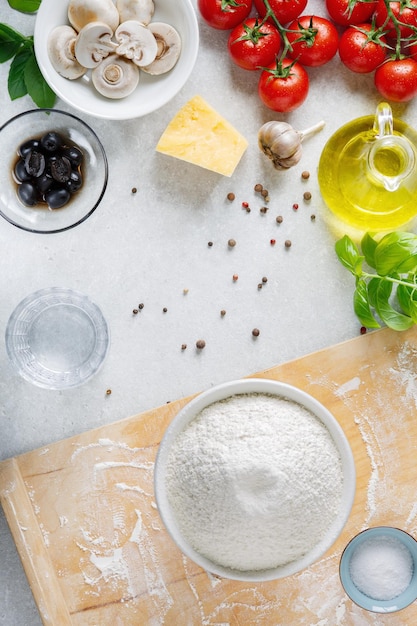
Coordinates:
151 246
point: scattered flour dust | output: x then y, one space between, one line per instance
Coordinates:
116 539
254 481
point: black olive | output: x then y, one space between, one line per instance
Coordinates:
35 163
74 155
31 144
52 141
48 170
44 182
56 198
21 173
75 181
60 169
28 194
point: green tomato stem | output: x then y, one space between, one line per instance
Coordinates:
282 31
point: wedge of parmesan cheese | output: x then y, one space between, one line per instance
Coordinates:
199 135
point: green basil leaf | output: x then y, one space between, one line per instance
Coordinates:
38 89
16 81
396 252
392 318
373 286
349 255
361 306
407 299
412 312
368 246
10 42
26 6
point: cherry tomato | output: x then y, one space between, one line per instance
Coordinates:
361 49
396 80
224 14
405 12
314 40
254 44
346 13
283 86
284 10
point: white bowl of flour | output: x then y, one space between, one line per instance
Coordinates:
254 480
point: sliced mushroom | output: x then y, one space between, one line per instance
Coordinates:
139 10
136 42
82 12
61 52
169 48
115 77
94 44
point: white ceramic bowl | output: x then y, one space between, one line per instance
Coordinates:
247 386
152 92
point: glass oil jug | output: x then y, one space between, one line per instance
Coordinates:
368 172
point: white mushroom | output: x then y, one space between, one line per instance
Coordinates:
82 12
139 10
136 42
61 52
94 44
115 77
169 48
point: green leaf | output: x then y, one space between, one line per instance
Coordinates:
16 81
373 286
38 89
349 255
10 42
361 306
368 246
407 299
392 318
26 6
396 252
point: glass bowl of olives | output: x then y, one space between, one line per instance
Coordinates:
53 171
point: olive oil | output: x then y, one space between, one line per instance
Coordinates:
377 195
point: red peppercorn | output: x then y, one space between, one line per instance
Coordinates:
363 330
245 205
272 242
295 206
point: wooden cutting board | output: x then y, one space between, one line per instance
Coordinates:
83 515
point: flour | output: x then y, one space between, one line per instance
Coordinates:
381 567
254 481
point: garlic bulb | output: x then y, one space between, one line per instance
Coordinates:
282 144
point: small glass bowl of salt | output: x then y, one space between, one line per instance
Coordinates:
378 569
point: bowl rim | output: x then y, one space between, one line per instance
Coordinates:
395 604
84 302
239 387
105 164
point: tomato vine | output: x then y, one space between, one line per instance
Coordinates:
377 36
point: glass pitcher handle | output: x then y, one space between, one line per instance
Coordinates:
383 123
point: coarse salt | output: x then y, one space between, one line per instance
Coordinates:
381 567
254 481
